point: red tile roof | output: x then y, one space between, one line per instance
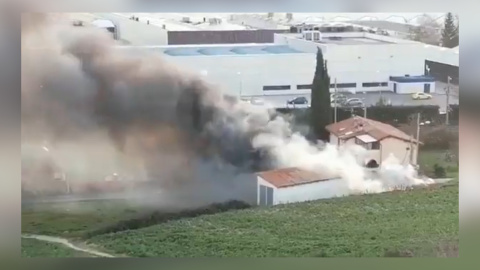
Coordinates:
287 177
358 125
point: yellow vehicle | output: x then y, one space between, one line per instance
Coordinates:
420 95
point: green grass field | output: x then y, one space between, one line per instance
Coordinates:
73 219
419 222
428 158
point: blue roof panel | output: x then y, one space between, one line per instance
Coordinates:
216 51
182 52
249 50
234 50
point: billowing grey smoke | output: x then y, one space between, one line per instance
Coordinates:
104 109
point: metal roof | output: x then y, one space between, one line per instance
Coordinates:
412 79
357 125
287 177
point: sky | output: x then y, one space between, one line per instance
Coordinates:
394 17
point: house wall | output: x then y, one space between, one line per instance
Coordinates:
399 149
388 145
411 87
368 154
334 139
308 192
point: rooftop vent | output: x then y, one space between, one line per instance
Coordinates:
214 21
186 20
312 35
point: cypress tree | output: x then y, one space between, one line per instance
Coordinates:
450 35
321 109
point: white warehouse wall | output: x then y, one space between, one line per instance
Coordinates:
373 63
412 87
247 74
313 191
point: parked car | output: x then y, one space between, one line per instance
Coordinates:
354 103
339 99
420 95
247 100
298 101
257 101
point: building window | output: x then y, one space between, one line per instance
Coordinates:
344 85
374 84
276 87
368 146
304 87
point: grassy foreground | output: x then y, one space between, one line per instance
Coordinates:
419 222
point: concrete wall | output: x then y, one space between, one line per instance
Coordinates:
309 192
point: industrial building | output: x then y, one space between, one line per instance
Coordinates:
357 61
183 29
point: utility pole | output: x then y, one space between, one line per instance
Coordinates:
447 122
335 102
240 83
418 136
364 110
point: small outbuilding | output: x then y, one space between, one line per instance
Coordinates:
290 185
412 84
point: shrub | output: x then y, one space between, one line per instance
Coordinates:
439 171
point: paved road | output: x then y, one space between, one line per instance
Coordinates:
370 99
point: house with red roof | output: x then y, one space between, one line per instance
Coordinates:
379 139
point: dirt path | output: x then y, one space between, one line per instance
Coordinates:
65 242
